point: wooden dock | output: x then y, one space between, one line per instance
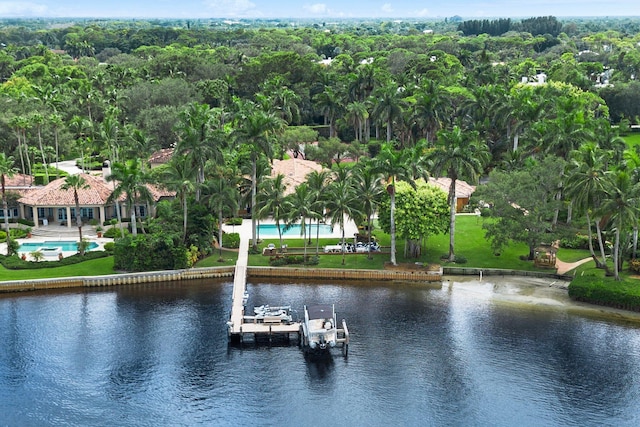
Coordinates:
241 325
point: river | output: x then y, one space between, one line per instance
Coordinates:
496 352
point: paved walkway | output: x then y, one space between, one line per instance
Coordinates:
564 267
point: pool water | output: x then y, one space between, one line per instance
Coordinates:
266 230
67 246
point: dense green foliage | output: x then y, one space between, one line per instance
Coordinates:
149 253
16 263
594 289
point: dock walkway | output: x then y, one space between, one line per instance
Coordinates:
239 324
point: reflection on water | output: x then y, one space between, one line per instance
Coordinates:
464 353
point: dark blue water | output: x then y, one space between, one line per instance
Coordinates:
153 355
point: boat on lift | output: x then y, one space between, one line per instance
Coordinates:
319 330
271 313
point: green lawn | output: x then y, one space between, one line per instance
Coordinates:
632 139
470 243
94 267
229 257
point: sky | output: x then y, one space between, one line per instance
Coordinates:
316 9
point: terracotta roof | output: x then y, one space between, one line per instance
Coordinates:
161 156
96 195
463 189
294 170
17 181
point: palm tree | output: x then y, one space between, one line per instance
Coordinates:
221 195
300 209
342 202
179 175
274 202
255 132
76 183
458 155
130 180
622 207
392 164
387 105
586 186
369 190
6 170
317 182
200 138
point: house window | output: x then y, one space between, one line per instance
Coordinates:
62 214
142 210
86 213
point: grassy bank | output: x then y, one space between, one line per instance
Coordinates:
593 287
94 267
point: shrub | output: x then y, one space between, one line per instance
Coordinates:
109 247
634 265
577 241
148 252
15 263
606 291
231 240
234 221
26 222
461 259
114 233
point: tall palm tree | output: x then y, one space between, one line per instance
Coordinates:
221 195
76 183
458 155
131 180
392 164
200 138
342 202
255 131
369 190
299 203
274 202
387 105
6 171
622 207
317 182
179 175
586 186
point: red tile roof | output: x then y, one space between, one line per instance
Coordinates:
294 170
96 195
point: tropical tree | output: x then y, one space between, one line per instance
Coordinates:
621 206
300 204
369 191
76 183
201 138
586 186
317 182
255 132
221 195
274 202
179 175
393 165
458 155
6 171
342 203
131 180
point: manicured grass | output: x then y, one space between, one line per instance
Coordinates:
470 243
95 267
632 139
229 257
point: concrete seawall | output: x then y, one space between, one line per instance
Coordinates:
216 272
116 279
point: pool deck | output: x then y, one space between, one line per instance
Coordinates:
58 233
350 229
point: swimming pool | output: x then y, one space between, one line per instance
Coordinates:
65 246
270 230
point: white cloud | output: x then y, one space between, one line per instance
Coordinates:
11 8
387 8
230 7
422 13
317 8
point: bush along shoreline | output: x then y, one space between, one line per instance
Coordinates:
604 291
